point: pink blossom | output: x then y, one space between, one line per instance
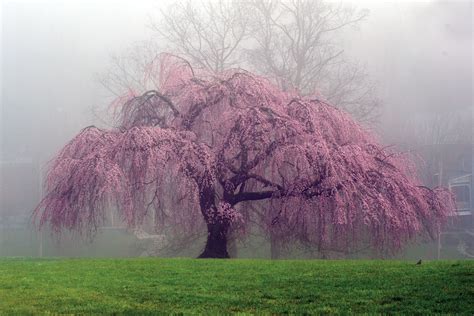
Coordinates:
203 147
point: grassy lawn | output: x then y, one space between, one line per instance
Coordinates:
148 285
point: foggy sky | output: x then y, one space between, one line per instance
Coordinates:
419 53
52 51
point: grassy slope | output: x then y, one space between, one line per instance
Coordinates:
211 286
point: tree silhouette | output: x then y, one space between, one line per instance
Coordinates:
205 147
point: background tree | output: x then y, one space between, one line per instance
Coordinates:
219 142
132 70
209 33
293 42
432 136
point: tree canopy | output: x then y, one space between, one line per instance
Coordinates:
205 148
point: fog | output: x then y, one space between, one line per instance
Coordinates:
421 55
418 54
51 53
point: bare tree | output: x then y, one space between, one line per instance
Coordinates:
433 137
294 42
133 70
210 34
444 127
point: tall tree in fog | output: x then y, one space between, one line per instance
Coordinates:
434 136
203 148
209 33
131 70
293 42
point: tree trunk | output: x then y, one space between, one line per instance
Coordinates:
232 248
275 248
216 244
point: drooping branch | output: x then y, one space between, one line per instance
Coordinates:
153 93
216 141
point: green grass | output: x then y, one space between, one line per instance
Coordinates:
148 286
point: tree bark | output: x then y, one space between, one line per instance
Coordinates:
216 244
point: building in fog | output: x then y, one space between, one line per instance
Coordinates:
451 165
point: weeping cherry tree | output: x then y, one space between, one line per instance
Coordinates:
202 151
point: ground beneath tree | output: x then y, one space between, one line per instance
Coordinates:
146 285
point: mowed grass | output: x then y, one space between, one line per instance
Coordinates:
151 286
